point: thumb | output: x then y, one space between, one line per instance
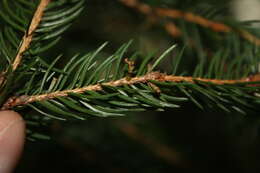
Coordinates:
12 134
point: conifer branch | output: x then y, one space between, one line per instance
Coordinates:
156 13
28 36
153 76
108 87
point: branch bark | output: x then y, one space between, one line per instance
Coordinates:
155 76
28 36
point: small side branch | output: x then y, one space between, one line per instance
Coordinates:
153 76
27 38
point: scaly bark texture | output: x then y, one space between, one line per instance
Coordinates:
28 36
156 76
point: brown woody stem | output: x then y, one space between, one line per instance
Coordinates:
28 36
155 76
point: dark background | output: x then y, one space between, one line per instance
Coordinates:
183 140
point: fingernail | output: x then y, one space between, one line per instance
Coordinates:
11 140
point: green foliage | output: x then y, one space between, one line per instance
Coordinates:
115 100
16 19
231 58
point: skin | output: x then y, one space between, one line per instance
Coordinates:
12 137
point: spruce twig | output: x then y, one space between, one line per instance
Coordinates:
155 76
28 36
59 89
